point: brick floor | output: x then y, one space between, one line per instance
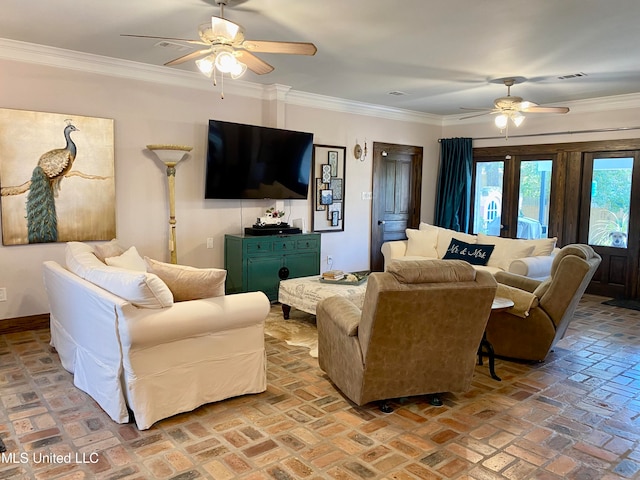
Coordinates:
575 416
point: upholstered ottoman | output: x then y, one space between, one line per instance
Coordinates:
304 293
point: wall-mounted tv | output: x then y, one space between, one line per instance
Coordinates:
247 161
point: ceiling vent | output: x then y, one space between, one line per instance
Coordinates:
172 46
397 93
572 75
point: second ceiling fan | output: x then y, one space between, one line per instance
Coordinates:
512 107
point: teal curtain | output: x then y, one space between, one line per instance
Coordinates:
453 196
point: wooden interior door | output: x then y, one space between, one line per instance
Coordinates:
397 185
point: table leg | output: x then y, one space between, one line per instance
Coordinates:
491 354
286 310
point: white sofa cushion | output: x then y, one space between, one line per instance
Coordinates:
142 289
507 250
542 246
444 237
189 283
129 259
422 243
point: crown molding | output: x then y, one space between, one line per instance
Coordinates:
90 63
304 99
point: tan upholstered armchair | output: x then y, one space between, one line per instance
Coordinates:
418 332
542 310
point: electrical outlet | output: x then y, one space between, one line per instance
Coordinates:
209 242
3 294
329 259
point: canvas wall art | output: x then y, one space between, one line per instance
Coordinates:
56 178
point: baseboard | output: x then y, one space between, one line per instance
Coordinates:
24 324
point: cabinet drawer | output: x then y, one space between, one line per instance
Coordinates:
265 246
284 245
307 244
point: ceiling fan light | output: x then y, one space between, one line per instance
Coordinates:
238 70
206 65
517 119
226 62
501 121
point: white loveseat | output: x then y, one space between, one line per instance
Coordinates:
131 347
530 258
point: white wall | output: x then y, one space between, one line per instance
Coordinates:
160 105
176 111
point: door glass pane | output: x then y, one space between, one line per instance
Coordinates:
610 201
533 202
488 201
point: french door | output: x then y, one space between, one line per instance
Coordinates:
512 196
609 219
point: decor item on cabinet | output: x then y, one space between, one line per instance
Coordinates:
171 155
34 163
227 51
271 224
329 172
255 263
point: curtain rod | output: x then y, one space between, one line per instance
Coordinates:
569 132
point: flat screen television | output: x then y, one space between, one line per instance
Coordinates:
247 161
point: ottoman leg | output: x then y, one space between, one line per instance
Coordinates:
286 309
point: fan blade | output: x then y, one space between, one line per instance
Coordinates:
187 57
476 109
253 63
196 42
293 48
537 109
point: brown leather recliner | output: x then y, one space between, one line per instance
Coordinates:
418 332
530 333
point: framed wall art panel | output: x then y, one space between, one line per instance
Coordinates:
57 177
328 192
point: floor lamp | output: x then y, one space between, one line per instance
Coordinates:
171 155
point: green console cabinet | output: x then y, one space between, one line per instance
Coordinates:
259 262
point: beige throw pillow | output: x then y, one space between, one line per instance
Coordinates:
189 283
422 243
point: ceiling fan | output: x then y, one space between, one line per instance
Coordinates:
512 107
227 51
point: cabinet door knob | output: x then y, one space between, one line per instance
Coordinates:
283 273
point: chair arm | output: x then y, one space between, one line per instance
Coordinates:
343 313
518 281
538 267
394 249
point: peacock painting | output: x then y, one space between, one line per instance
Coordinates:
58 199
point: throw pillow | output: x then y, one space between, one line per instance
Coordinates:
473 253
444 239
189 283
109 249
507 250
542 246
422 243
130 260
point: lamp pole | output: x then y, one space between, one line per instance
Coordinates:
171 155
